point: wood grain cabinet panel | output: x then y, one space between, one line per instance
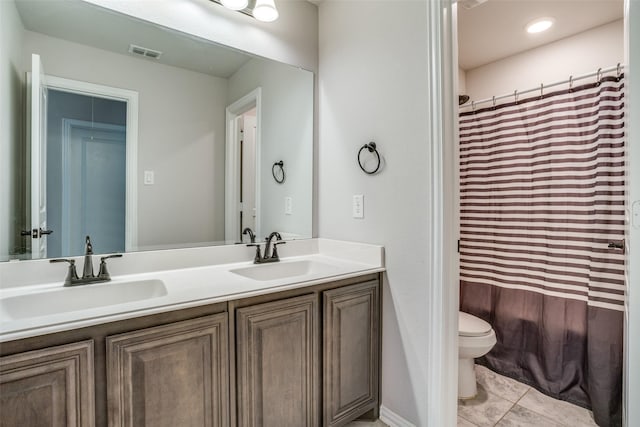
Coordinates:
171 375
350 352
278 363
53 387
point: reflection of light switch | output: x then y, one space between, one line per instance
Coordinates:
288 205
358 206
148 177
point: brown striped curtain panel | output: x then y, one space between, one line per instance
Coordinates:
542 195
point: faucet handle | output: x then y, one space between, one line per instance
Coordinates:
103 273
258 256
274 251
72 274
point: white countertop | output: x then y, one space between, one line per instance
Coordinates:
195 284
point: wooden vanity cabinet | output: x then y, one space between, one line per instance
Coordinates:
278 363
304 357
308 357
51 387
351 323
170 375
143 327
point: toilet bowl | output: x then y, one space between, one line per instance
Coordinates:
475 339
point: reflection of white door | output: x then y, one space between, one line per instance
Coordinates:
233 173
38 130
248 168
93 186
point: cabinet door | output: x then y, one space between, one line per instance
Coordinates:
278 363
50 387
171 375
350 352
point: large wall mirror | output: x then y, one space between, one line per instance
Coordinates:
143 137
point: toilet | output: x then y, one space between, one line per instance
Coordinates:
475 339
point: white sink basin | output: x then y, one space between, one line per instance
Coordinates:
284 270
83 297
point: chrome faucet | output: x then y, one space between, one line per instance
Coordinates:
72 278
269 255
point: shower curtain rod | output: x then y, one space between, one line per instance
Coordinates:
601 71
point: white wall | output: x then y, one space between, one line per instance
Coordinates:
462 81
600 47
181 136
286 134
372 86
292 39
12 77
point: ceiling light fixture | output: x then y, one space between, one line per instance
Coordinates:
235 4
539 25
265 11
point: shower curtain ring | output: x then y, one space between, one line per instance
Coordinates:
618 71
598 75
493 99
570 83
473 105
541 93
515 95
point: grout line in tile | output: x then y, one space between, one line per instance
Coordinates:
467 419
505 414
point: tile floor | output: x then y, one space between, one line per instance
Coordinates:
503 402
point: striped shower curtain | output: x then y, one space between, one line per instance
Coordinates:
542 189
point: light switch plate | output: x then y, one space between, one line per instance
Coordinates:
288 205
149 178
358 206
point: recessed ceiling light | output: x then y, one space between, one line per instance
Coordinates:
539 25
235 4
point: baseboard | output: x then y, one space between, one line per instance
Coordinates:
392 419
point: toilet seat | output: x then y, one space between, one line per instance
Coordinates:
472 326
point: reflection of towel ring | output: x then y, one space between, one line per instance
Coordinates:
372 149
273 171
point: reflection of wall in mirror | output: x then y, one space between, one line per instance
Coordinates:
287 121
181 136
12 155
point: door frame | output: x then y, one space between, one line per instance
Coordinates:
232 168
130 97
443 303
631 391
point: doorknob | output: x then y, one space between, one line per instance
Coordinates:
36 233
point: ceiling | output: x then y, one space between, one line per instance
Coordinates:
495 29
84 23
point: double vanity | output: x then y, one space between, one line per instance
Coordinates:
195 337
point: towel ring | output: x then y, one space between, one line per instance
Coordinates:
280 164
371 147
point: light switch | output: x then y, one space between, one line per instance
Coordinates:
358 206
288 205
148 178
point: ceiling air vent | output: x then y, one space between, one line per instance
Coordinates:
470 4
144 51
